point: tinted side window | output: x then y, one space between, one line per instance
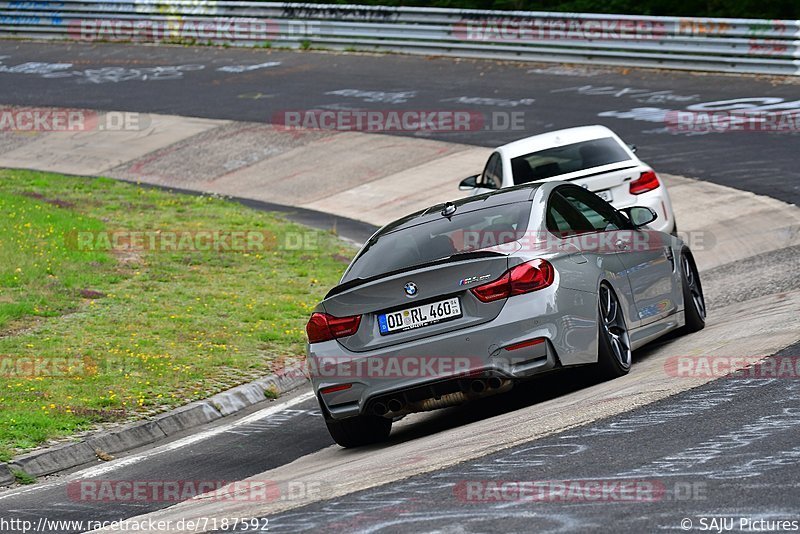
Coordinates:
563 219
498 173
600 214
492 176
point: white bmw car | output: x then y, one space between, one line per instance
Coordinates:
592 157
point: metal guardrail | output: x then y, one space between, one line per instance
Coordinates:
690 43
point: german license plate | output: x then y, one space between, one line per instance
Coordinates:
419 316
605 194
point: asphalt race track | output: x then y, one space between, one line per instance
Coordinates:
187 81
235 453
681 448
726 449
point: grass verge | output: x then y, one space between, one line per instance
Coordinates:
23 478
99 324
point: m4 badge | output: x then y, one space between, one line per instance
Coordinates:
473 279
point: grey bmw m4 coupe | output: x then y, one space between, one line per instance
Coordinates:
469 298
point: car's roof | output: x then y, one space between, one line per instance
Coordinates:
554 139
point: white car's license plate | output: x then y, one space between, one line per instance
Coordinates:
605 194
419 316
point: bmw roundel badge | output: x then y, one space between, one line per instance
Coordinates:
410 288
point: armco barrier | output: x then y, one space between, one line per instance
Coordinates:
730 45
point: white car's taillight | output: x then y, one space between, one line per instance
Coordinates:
647 181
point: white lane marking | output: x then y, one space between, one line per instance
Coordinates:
94 472
248 68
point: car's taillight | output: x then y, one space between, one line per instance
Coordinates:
647 181
334 389
324 327
524 278
525 344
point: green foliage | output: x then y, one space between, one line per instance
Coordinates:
22 477
94 334
779 9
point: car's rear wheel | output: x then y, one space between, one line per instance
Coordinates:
359 430
694 303
613 345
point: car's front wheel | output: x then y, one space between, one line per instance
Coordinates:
613 345
359 430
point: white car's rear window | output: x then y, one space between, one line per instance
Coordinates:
566 159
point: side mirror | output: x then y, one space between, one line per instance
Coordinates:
633 148
640 215
468 183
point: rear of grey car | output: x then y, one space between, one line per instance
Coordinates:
454 303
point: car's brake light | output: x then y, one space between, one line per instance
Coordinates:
647 181
524 278
334 389
323 327
525 344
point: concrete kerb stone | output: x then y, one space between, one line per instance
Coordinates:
6 477
237 399
129 437
66 456
54 459
246 395
192 415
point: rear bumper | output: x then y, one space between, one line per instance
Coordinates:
365 397
658 200
454 358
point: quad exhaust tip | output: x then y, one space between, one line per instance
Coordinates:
478 386
495 382
491 383
395 405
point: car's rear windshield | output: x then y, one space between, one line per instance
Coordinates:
441 238
565 159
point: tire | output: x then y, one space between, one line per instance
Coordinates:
614 354
360 430
694 304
